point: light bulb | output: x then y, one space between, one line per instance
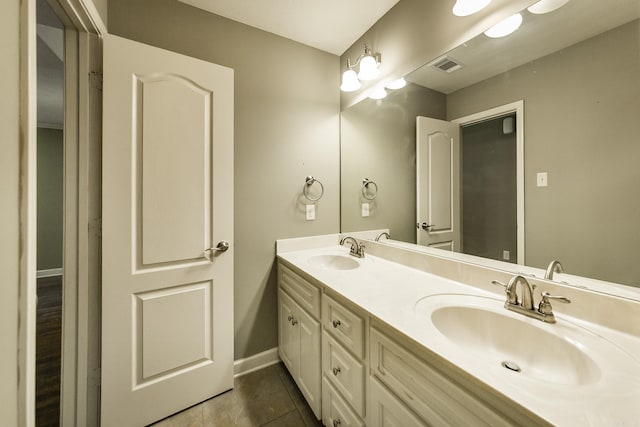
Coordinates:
397 84
368 68
469 7
546 6
505 27
350 81
378 93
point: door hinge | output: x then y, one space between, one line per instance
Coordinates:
95 80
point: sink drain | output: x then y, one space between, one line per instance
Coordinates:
512 366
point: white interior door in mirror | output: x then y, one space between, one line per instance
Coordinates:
167 297
438 183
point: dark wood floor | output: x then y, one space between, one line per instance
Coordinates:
48 351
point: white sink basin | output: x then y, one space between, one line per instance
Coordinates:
334 262
562 354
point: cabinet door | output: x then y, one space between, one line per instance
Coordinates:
288 332
388 411
310 370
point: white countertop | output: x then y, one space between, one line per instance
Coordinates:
389 291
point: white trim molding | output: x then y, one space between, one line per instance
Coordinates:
52 272
255 362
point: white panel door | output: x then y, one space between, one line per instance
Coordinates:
438 183
167 296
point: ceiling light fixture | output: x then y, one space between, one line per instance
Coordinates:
397 84
505 27
469 7
368 70
546 6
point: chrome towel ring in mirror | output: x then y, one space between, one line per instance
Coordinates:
372 193
308 182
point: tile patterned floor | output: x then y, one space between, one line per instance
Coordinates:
268 397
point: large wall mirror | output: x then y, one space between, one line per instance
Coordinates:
573 189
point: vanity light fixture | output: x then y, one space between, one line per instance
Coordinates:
546 6
469 7
397 84
368 63
378 93
504 28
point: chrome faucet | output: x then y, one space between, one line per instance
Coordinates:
553 267
384 233
357 250
544 311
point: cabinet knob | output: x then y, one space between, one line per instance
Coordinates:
294 322
336 422
336 370
336 323
290 318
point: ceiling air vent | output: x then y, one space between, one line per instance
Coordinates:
446 64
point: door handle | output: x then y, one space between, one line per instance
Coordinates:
425 226
222 246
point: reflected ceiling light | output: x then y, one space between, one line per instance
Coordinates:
368 64
546 6
397 84
378 93
505 27
469 7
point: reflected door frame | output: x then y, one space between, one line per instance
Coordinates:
516 107
82 123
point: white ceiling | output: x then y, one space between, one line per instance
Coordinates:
328 25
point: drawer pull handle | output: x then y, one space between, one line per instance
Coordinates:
336 323
336 422
336 371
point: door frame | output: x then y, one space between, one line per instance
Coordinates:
83 27
516 107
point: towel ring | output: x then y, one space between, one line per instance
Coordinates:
365 186
308 182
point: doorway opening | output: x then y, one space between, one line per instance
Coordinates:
50 218
502 130
488 186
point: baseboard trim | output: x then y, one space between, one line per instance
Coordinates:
49 273
255 362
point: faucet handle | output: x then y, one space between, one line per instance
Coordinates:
499 283
512 297
546 296
545 305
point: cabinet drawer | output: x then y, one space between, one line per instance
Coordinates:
345 372
335 411
344 325
429 393
305 293
388 411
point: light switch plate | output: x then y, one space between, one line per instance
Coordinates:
541 179
311 212
365 209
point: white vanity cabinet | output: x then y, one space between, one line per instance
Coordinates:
354 369
344 363
405 382
300 333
